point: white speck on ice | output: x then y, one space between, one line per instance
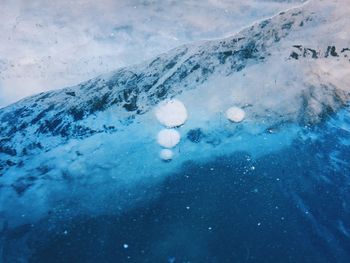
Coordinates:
171 113
168 138
166 154
235 114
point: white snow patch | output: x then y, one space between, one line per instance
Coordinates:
235 114
168 138
172 113
166 154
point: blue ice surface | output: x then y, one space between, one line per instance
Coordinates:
292 205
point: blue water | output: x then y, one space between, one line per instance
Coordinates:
291 206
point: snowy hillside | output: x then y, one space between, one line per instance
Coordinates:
71 145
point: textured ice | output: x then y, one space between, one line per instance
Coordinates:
98 136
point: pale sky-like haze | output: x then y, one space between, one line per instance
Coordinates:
47 45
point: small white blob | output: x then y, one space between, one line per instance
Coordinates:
235 114
171 113
168 138
125 245
166 154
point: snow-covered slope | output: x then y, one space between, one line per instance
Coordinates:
91 144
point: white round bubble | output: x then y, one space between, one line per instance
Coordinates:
235 114
171 113
168 138
166 154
